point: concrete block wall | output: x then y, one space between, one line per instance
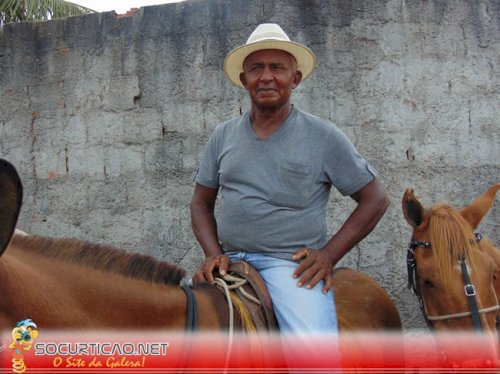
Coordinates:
106 117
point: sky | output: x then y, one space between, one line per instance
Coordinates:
119 6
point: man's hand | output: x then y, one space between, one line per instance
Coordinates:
316 266
216 262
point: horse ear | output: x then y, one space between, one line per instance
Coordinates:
413 211
11 196
475 212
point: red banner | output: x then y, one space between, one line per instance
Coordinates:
167 352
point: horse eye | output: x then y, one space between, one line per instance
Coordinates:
428 283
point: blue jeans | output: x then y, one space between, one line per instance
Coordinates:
298 311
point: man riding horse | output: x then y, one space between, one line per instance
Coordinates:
274 168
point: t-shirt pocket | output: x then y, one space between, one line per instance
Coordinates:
294 184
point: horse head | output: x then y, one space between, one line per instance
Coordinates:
11 196
454 271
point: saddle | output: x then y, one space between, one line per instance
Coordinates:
262 311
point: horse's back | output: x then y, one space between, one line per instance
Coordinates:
362 304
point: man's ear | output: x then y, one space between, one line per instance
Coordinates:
243 79
297 78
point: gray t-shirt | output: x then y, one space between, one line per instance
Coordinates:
274 192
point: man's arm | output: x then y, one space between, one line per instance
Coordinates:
205 229
318 264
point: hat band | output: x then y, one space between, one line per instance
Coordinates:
269 35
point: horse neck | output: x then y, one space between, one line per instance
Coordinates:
57 295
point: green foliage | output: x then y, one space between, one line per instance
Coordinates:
38 10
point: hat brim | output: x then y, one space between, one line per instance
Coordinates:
233 64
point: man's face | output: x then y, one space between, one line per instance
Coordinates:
269 76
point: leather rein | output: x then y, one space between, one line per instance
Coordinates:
469 289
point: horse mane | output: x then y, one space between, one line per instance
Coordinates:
102 257
452 238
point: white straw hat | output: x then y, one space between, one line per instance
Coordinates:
268 36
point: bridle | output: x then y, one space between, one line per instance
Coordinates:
469 289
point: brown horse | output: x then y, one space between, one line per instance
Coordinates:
67 283
454 271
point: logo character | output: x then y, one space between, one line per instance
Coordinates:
22 339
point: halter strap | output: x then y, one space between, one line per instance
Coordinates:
444 317
470 292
